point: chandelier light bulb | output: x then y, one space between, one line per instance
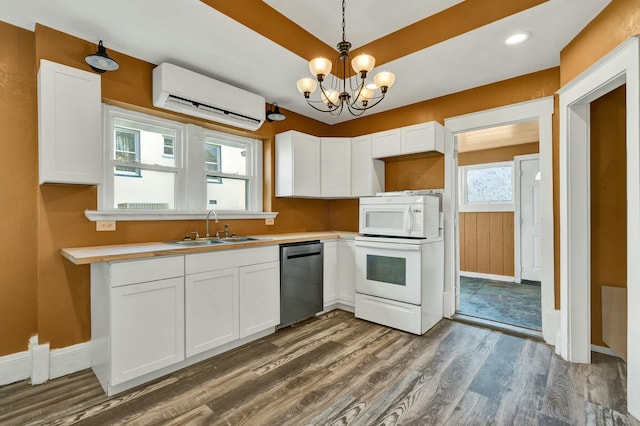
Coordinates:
320 66
363 63
384 80
307 85
365 95
330 96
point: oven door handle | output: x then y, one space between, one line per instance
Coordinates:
389 246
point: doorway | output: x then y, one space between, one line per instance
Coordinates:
498 203
540 110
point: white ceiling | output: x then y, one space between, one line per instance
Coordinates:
191 34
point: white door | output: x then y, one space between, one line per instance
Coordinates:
530 229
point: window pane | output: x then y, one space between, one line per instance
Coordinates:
226 193
211 157
151 190
169 146
230 158
489 184
150 146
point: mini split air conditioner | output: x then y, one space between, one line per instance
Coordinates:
178 89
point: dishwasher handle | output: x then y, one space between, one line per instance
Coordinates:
309 254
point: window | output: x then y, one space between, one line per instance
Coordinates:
486 187
139 175
168 149
146 168
230 171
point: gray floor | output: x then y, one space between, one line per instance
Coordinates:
510 303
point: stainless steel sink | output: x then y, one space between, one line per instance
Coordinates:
242 239
198 242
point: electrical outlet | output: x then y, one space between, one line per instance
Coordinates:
106 225
269 221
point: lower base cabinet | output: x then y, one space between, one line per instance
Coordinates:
259 297
153 316
212 317
339 273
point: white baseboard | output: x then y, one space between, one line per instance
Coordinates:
603 350
17 367
493 277
69 360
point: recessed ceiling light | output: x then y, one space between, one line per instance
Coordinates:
517 38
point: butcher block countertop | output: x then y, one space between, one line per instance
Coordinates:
86 255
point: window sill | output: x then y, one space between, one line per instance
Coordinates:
102 215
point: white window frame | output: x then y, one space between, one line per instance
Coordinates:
105 191
190 187
490 206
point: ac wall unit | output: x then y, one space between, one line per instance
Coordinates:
181 90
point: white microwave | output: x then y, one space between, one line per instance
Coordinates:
412 216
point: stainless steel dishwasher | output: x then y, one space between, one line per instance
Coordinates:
300 281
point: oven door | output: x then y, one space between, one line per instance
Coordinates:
386 219
390 270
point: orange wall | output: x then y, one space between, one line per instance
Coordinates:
18 182
608 201
615 24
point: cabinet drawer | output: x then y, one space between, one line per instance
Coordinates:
202 262
138 271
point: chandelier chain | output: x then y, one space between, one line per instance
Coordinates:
344 6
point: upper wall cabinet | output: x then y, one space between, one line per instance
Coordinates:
420 138
367 175
335 167
69 125
297 165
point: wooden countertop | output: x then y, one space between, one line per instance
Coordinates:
86 255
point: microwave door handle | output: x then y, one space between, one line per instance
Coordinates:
408 224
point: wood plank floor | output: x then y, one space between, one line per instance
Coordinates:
337 370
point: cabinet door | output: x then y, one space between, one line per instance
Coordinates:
424 137
330 273
386 144
211 310
259 297
69 125
335 167
367 174
147 328
306 165
346 272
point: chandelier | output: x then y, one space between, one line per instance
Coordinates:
347 91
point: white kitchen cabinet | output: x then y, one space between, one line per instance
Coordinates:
386 144
419 138
211 310
423 137
330 274
257 286
367 174
259 297
335 167
69 125
346 272
297 165
147 328
137 318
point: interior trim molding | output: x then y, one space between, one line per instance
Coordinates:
542 110
620 66
15 367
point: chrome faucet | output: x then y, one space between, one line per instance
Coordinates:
215 215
